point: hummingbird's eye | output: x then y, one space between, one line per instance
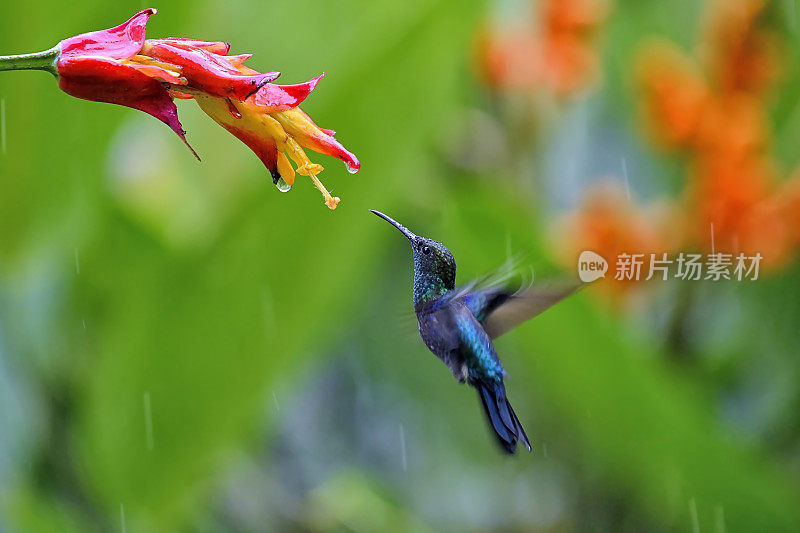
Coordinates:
426 250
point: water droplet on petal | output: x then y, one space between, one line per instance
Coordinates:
282 185
350 169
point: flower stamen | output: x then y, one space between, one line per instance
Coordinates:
330 201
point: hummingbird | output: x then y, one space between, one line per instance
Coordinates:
459 324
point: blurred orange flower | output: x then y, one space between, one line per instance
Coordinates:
675 95
610 224
559 56
717 115
733 127
730 208
714 112
742 52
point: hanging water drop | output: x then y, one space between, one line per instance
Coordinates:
350 169
282 185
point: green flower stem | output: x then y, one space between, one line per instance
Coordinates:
39 61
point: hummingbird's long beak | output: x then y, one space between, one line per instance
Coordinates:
404 230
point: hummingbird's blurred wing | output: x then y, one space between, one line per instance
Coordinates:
500 310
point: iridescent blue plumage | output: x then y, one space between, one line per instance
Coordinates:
458 326
482 360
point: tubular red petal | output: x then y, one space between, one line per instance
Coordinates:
121 42
323 130
107 80
263 146
215 47
326 144
239 60
282 97
308 135
210 73
330 146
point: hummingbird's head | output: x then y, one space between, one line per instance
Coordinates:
434 265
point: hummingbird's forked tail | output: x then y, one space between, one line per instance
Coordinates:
504 421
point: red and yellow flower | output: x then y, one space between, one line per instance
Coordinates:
121 66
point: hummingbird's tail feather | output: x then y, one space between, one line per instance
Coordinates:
507 427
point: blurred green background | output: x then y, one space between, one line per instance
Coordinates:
184 348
